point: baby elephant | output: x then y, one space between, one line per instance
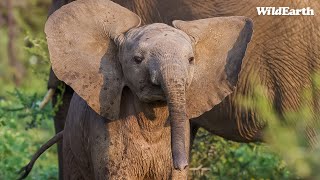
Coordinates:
138 86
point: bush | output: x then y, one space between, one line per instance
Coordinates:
217 158
19 142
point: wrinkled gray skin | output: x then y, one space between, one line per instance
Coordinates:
284 52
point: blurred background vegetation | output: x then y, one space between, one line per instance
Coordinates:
24 68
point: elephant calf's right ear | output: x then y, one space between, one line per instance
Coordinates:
82 38
220 45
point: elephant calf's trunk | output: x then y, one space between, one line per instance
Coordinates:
174 89
179 155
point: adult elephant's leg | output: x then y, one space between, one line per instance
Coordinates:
61 100
60 119
193 132
69 165
76 157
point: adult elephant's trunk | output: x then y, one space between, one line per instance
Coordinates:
174 84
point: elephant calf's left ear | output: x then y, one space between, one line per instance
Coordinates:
220 45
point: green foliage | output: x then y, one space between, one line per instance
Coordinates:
25 107
19 109
221 159
19 143
287 132
38 55
29 45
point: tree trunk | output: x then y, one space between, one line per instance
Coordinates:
17 67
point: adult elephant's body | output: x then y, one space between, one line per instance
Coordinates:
283 55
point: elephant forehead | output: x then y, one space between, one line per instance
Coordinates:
165 43
156 33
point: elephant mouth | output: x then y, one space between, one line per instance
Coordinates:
153 98
151 93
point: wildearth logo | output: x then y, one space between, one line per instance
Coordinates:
284 11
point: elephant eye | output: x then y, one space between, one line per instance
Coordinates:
191 60
138 59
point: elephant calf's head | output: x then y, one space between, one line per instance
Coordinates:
147 53
97 47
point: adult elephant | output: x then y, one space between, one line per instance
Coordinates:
282 56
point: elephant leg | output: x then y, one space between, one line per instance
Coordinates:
70 169
58 125
59 122
193 132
